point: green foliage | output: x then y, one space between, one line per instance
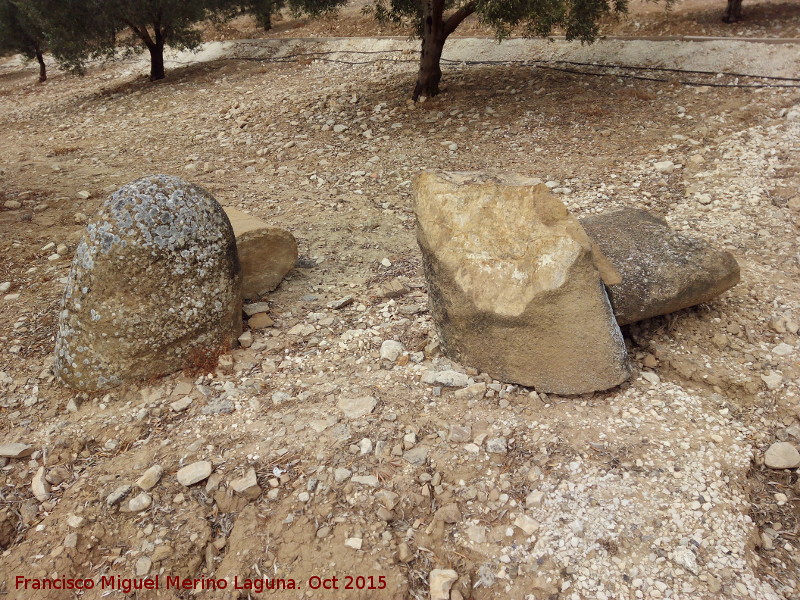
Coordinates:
578 19
78 30
19 31
263 10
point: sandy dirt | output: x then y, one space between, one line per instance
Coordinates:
653 490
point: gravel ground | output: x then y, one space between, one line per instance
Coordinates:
654 490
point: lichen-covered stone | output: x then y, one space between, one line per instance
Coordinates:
661 270
155 284
514 284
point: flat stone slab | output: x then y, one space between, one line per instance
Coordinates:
195 472
514 284
266 253
662 270
15 450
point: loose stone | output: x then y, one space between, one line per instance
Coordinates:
782 455
193 473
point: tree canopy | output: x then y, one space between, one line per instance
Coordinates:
21 32
435 20
80 29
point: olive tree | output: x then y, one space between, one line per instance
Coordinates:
21 32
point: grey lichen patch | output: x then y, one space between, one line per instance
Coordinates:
155 279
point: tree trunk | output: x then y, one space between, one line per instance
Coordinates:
733 13
156 60
42 66
435 29
430 71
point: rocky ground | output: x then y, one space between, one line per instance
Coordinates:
328 459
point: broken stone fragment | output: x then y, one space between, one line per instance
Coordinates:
662 270
154 285
247 485
514 284
440 582
39 486
266 253
15 450
355 408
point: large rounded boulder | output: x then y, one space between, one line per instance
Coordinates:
154 287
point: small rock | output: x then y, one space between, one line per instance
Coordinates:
527 524
651 377
369 480
341 474
354 543
459 434
449 513
498 445
143 566
782 455
388 498
260 321
476 390
247 486
666 166
416 456
448 378
150 478
181 405
118 494
254 308
440 582
783 349
365 446
12 204
84 195
246 339
773 380
393 288
39 486
5 286
355 408
193 473
161 552
535 498
341 303
404 553
476 533
391 350
140 502
75 521
384 514
16 450
220 406
686 558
